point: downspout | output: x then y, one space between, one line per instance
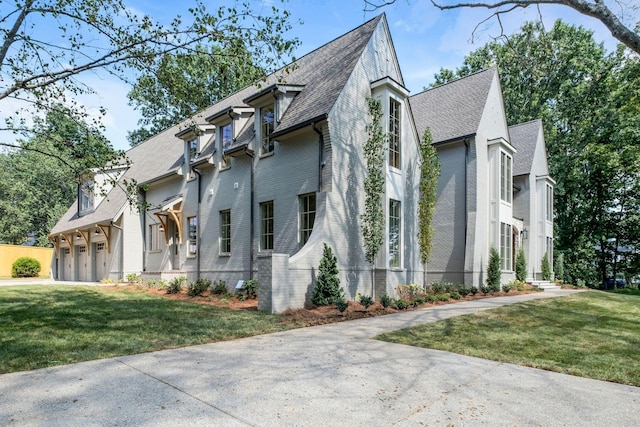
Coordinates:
251 213
198 222
121 248
320 154
144 230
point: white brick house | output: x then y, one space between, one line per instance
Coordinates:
252 186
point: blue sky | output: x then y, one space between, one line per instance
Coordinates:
425 39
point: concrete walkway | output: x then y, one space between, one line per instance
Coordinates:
325 375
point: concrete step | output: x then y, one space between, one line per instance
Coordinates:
545 284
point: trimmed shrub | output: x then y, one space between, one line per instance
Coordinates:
506 288
219 288
327 288
521 265
400 304
474 290
341 304
464 291
175 285
546 267
485 289
385 300
198 287
494 270
366 301
25 267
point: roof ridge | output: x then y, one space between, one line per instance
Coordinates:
493 68
525 123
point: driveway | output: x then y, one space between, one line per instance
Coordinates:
325 375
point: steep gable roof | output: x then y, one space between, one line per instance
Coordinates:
454 109
524 137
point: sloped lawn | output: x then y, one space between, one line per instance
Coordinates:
591 334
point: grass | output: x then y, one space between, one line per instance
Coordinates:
42 326
591 334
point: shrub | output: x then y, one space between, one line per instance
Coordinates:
444 297
437 287
416 301
327 288
559 268
506 288
455 295
385 300
474 290
341 304
464 291
133 278
485 289
546 268
25 267
175 285
430 298
366 301
400 304
198 287
521 265
518 285
249 290
409 291
448 287
494 270
219 288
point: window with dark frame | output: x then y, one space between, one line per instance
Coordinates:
193 235
225 232
86 196
307 216
193 149
226 138
266 226
267 123
394 133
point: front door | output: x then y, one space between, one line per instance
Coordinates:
100 260
82 263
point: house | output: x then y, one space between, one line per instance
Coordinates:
251 187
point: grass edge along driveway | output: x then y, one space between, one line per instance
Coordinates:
590 334
45 325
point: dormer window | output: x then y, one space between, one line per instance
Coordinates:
193 149
267 125
86 196
226 139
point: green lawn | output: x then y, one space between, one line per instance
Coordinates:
43 325
591 334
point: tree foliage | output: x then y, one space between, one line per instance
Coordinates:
589 101
327 289
179 85
374 150
429 174
546 267
521 265
494 270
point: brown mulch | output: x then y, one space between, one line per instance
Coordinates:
309 316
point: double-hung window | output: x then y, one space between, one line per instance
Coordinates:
193 149
267 125
225 232
86 196
266 226
394 234
505 246
506 178
154 237
549 213
193 234
307 216
394 133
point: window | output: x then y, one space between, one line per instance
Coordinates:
86 196
266 226
307 216
549 212
154 237
394 233
550 250
505 246
193 149
267 122
506 184
226 138
225 232
193 234
394 133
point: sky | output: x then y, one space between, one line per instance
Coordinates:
426 39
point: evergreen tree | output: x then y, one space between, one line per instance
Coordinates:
546 267
429 174
559 268
521 265
494 270
327 289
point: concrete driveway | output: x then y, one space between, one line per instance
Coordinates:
325 375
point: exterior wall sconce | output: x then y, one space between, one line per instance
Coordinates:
525 234
97 232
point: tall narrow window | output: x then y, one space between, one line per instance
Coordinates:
225 232
154 237
266 226
267 122
86 196
394 233
505 246
193 149
307 216
506 183
549 203
193 235
226 138
394 133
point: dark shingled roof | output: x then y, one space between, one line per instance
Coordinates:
524 138
454 109
323 73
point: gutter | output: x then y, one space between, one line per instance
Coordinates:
300 125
